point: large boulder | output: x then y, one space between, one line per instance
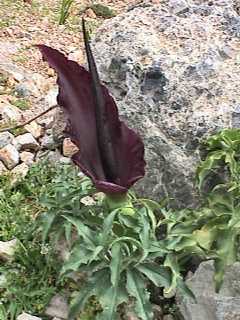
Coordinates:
174 69
210 305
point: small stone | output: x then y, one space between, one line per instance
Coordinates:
50 72
3 169
69 148
27 157
46 123
157 311
178 6
58 307
5 138
26 316
131 316
9 156
49 143
90 13
59 124
88 201
26 142
168 317
35 129
7 249
19 172
9 113
51 97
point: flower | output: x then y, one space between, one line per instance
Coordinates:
110 153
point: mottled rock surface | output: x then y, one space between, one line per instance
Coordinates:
26 316
7 249
212 306
174 69
5 138
26 142
9 156
58 307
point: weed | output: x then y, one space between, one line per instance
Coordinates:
103 11
65 10
21 103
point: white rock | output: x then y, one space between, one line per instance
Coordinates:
35 129
5 138
7 249
9 112
19 172
51 97
27 157
58 307
9 156
3 280
26 142
26 316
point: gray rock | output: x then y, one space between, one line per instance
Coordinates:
7 249
58 126
210 305
49 143
52 156
9 156
58 307
179 6
26 316
21 90
172 84
5 138
26 142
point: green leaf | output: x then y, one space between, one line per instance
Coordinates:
115 264
159 275
47 222
80 300
110 299
107 226
211 162
226 254
79 255
136 287
205 237
85 232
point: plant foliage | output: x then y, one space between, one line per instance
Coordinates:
212 231
65 10
119 253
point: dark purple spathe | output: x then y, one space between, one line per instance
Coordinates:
111 154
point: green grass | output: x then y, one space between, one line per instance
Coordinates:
21 103
32 278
